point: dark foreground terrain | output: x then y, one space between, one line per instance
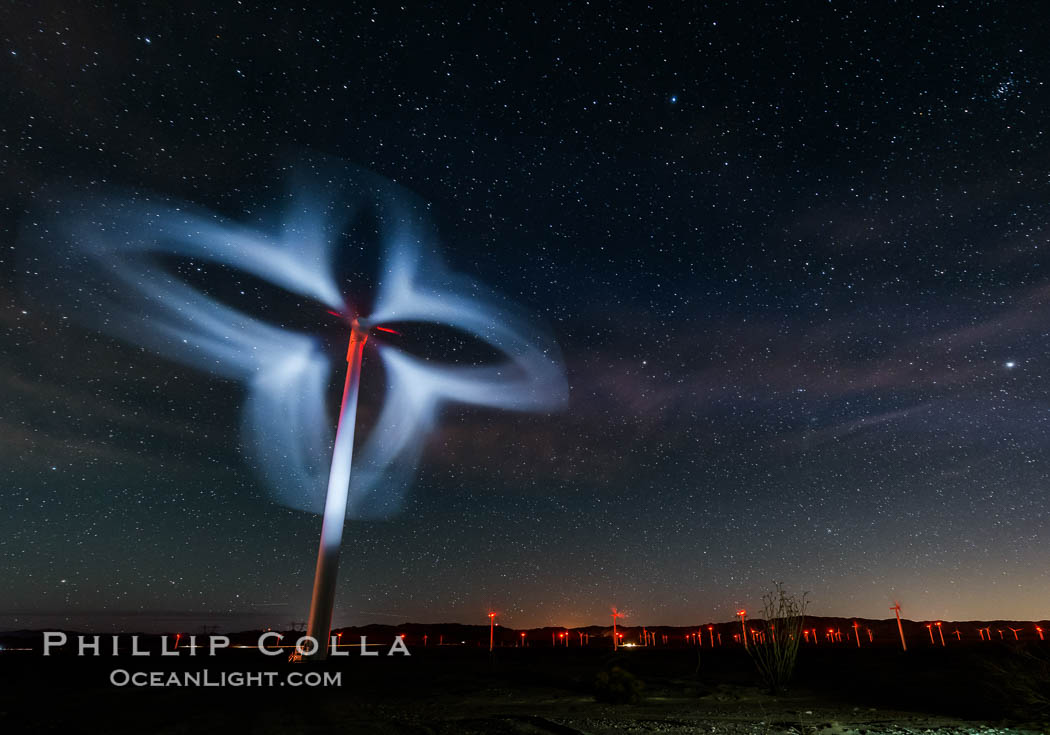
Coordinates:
453 689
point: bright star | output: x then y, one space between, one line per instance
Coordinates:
1010 364
674 99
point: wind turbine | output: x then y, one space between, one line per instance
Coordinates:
108 248
897 608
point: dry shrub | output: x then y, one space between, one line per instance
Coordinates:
776 651
617 686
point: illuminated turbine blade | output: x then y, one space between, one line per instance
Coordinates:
101 255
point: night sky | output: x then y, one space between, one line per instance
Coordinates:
794 256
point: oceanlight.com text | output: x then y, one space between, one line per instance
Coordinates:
208 678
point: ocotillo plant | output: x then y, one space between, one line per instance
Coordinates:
775 652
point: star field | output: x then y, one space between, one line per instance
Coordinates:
795 261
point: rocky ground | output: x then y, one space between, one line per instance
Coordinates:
730 710
464 690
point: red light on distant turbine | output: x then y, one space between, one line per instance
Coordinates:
388 329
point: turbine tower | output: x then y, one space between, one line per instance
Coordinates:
323 599
320 625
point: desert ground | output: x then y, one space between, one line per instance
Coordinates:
451 689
